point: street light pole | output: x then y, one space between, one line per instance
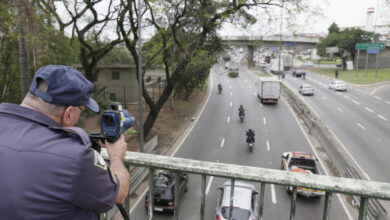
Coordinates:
280 41
140 80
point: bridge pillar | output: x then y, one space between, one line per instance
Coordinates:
249 55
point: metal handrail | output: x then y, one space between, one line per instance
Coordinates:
362 188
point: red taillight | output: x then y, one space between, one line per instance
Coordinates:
146 202
170 204
218 217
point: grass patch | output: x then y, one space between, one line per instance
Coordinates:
361 78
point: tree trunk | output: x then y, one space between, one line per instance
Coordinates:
23 60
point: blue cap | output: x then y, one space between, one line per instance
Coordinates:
66 86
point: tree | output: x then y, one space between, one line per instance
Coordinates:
89 26
345 40
183 29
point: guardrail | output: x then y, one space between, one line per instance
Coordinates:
364 189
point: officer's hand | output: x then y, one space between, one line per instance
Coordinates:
118 148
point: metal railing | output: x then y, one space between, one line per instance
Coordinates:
363 189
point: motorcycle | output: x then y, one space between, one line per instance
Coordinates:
251 145
242 116
219 89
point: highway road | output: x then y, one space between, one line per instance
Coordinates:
219 136
359 117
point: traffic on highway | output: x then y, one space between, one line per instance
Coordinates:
221 136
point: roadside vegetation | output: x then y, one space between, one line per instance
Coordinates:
361 78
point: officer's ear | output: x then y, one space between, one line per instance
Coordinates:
68 116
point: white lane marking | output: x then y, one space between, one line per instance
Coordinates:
377 97
245 80
268 148
231 94
228 119
340 109
265 121
209 185
250 86
375 90
273 196
342 202
222 142
231 104
255 94
323 97
382 117
361 126
368 109
388 102
230 86
356 102
180 143
347 97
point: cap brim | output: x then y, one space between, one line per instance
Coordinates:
93 105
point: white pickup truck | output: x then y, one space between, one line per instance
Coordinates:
268 90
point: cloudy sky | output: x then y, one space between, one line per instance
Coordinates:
345 13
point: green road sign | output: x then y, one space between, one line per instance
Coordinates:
370 46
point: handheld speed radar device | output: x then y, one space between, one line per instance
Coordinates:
115 121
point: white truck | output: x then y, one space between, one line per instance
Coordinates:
268 90
287 61
275 66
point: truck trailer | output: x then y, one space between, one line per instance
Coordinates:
268 90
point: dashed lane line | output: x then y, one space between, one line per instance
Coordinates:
388 102
268 148
273 196
368 109
265 121
222 142
231 104
361 126
347 97
231 94
228 119
377 97
340 110
356 102
209 184
382 117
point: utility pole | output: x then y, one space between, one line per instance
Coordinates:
140 80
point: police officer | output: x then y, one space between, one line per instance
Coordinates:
48 169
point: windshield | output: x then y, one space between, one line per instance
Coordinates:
238 213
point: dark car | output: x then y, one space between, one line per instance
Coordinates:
164 191
298 73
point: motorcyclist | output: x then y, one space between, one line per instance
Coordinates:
241 109
219 87
250 135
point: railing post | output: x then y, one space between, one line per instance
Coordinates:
151 194
231 199
261 202
202 197
363 208
293 203
176 198
328 202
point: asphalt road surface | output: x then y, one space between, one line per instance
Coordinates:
219 136
359 118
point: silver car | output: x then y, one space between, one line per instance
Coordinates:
245 205
337 85
306 89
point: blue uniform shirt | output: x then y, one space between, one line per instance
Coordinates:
49 173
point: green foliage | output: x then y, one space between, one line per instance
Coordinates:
196 73
345 40
118 55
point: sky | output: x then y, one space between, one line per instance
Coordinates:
345 13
